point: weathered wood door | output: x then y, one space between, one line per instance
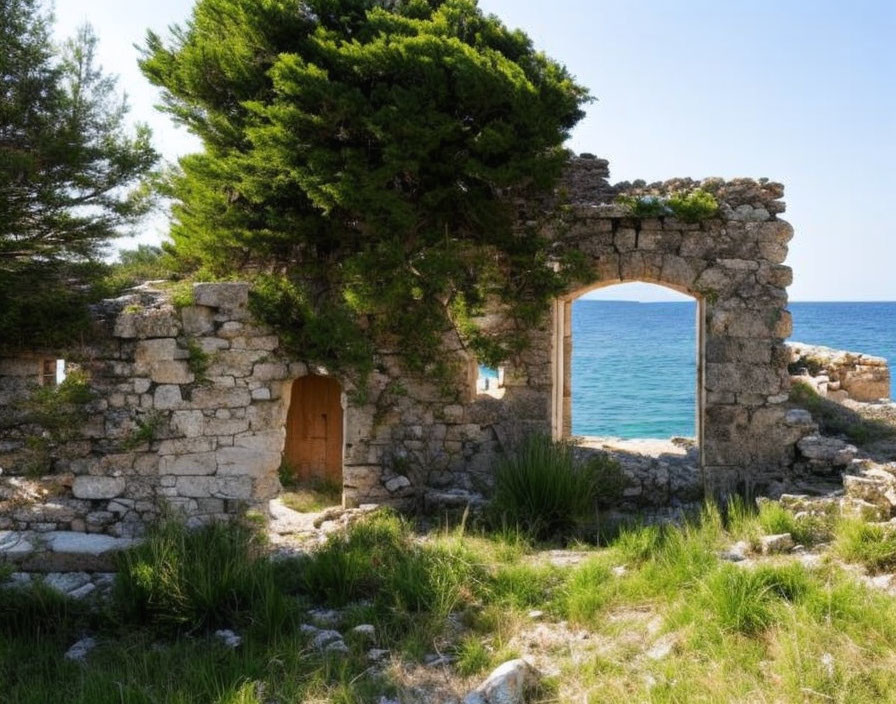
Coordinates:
314 429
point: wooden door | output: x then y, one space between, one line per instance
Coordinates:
314 429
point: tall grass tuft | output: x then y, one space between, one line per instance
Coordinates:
872 544
191 580
546 492
36 610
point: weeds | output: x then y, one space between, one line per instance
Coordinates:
546 492
871 544
194 580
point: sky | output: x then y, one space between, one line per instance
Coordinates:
799 91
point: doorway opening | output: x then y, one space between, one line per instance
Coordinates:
311 470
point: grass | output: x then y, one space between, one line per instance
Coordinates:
775 632
312 497
870 544
545 491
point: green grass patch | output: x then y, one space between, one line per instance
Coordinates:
194 580
546 492
871 544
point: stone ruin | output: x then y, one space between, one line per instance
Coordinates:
190 404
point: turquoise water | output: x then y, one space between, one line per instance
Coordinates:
634 364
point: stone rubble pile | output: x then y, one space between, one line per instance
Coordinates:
838 374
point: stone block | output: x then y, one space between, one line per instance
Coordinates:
233 487
186 446
211 397
158 350
194 464
197 320
225 426
263 441
227 295
171 372
87 487
246 461
269 371
187 423
167 397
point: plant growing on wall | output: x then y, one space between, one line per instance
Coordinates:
58 412
690 206
364 156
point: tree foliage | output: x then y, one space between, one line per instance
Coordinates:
364 156
70 173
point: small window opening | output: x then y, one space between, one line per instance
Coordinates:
51 372
490 381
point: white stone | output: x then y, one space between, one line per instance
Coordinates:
365 630
66 582
221 295
268 371
508 684
197 320
199 463
323 638
149 351
396 483
89 487
80 650
187 423
215 487
167 397
228 638
337 647
377 654
826 449
171 372
261 394
775 544
245 461
13 542
84 543
82 591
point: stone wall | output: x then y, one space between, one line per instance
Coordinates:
840 375
190 403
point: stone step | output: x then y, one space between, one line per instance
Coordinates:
60 551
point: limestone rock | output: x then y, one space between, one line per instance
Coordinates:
775 544
80 650
832 451
228 638
508 684
221 295
90 487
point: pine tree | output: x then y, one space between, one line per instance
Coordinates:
363 156
70 174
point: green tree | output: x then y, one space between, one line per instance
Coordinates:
70 174
362 158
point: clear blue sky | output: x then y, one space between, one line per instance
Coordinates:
800 91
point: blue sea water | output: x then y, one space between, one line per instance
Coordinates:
634 364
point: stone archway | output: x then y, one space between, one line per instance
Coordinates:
561 399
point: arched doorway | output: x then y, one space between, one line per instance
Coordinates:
314 430
562 403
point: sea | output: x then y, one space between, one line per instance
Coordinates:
634 364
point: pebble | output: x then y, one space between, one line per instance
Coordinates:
79 651
229 638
